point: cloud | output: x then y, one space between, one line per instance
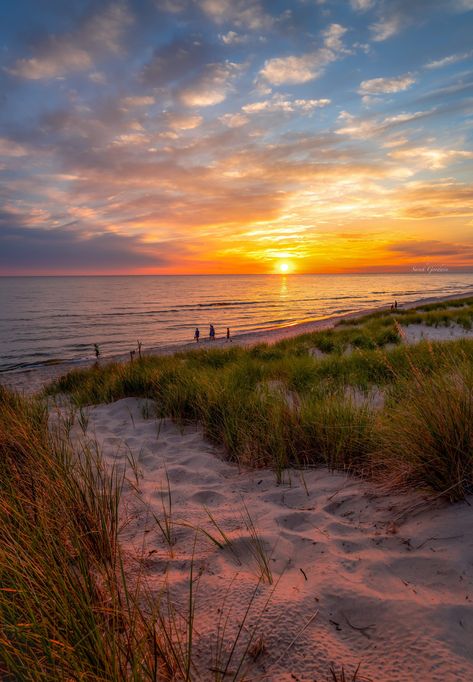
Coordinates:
377 86
431 157
433 247
232 38
234 120
362 5
180 59
290 70
138 101
67 249
98 77
395 15
333 37
212 86
457 87
58 59
11 148
301 69
76 51
440 199
369 127
446 61
280 103
105 29
183 122
247 13
386 28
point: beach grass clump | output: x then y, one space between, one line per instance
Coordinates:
303 375
426 436
255 427
337 433
67 611
360 368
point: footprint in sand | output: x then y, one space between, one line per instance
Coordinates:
208 498
297 521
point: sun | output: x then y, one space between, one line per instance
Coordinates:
284 267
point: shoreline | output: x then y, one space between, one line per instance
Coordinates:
33 379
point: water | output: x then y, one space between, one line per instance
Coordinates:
48 319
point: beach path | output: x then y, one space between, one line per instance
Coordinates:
357 577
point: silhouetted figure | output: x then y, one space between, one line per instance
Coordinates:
197 335
212 333
229 338
395 305
96 350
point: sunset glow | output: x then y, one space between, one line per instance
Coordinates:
212 136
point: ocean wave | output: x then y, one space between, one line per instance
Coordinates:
11 367
158 311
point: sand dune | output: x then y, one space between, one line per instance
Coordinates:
414 333
357 578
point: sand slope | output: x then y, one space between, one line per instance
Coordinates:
414 333
396 595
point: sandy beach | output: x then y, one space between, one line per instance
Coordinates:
33 380
300 573
357 576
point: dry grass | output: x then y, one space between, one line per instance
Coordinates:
427 439
67 611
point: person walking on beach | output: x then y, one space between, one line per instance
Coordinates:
212 333
197 334
395 305
229 338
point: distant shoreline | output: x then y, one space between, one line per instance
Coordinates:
34 379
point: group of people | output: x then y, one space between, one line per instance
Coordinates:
394 305
211 334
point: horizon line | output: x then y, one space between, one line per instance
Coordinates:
426 271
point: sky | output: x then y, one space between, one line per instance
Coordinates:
235 136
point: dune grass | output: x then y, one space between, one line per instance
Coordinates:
366 403
67 611
440 314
